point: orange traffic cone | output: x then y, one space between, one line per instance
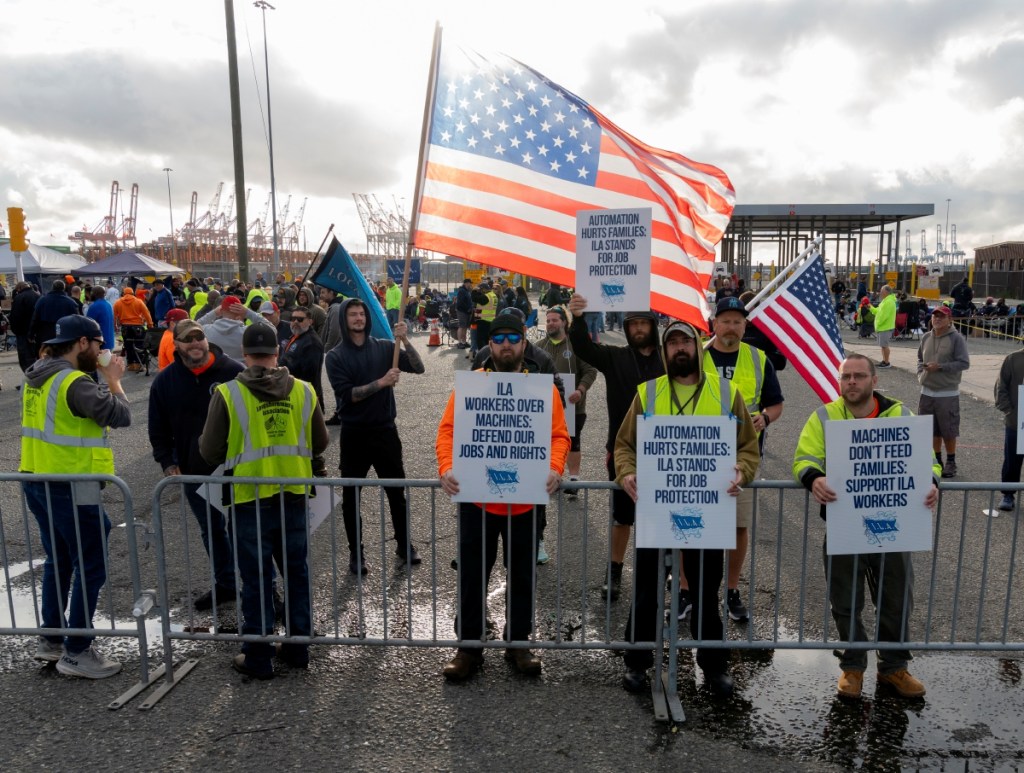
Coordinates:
435 332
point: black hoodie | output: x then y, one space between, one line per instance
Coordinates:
350 366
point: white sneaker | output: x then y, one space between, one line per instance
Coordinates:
88 664
47 651
542 554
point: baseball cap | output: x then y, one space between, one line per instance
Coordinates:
685 328
648 315
268 307
560 311
506 321
176 315
259 339
186 326
229 300
731 304
158 281
943 310
75 326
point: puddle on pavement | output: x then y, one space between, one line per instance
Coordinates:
785 703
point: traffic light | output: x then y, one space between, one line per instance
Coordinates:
18 229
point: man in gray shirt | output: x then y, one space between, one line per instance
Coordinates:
941 360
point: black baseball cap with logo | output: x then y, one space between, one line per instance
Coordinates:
259 339
75 326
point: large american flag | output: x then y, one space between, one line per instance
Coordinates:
801 319
511 157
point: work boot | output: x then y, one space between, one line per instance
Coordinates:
257 669
719 684
526 662
223 593
634 681
463 665
851 683
949 469
412 558
903 683
357 564
613 586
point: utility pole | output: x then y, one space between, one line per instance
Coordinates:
170 212
275 265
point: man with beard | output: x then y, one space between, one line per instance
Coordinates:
178 403
754 375
624 367
689 390
64 430
304 352
890 576
363 379
481 523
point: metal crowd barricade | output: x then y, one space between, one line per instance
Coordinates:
963 596
120 609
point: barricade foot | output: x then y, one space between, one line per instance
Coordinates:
135 689
165 687
667 705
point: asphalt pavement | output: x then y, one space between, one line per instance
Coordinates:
388 708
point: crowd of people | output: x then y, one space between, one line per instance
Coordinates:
248 364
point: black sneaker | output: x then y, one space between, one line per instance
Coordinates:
737 611
634 681
883 365
223 594
1007 504
413 557
719 685
685 605
357 565
257 670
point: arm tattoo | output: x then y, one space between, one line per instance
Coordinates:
364 391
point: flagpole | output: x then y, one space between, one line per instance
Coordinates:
428 104
783 275
310 267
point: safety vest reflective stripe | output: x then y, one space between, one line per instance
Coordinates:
48 434
740 375
488 312
250 454
724 396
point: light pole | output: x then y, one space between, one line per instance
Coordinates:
263 5
170 213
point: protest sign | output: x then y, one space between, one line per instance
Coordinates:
613 258
881 471
684 466
569 386
502 437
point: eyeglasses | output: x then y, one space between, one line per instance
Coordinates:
191 338
512 338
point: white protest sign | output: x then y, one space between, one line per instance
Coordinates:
1020 420
320 503
881 470
501 449
569 385
613 258
684 466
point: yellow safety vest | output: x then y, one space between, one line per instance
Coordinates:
270 439
748 375
53 439
488 312
712 400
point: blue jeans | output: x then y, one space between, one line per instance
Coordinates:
259 534
392 315
60 538
594 321
213 528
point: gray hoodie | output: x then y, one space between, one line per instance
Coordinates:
86 398
950 351
227 333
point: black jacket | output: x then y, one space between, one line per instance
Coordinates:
48 310
624 369
350 366
305 360
178 403
22 306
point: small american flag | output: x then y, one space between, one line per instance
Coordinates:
800 318
510 159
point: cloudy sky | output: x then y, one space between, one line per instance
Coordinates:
799 101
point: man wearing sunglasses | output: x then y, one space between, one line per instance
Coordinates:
481 523
304 352
178 403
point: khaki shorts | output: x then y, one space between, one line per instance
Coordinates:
745 509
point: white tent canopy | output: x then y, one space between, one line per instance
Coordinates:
39 260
